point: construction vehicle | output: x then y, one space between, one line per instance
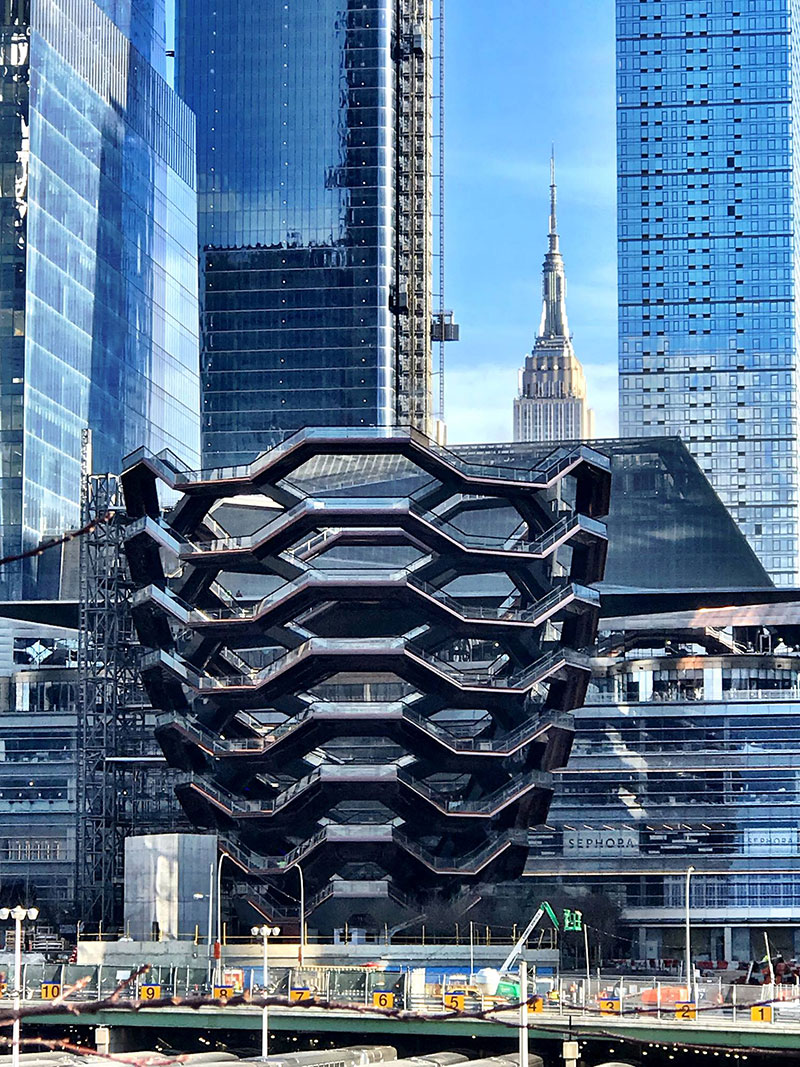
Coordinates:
503 982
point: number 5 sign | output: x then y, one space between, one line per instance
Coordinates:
454 1001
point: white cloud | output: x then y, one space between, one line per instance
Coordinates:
601 389
480 400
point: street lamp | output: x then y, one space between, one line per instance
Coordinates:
302 912
689 872
223 856
209 896
18 914
265 933
299 869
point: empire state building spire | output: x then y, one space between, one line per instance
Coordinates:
553 222
554 280
551 405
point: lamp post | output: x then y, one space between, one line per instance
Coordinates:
223 856
689 984
287 867
265 933
17 914
299 870
209 896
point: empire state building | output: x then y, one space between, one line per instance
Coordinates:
551 405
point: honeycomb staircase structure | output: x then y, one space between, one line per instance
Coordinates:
365 652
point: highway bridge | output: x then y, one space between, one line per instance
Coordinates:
632 1035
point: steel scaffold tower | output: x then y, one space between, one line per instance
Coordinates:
105 677
441 341
414 225
123 786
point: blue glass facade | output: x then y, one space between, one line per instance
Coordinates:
98 290
708 218
684 755
313 143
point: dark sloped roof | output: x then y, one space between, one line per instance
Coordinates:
667 527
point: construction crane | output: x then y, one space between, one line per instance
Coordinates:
511 958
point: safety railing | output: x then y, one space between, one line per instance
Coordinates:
549 467
340 508
236 612
520 680
704 1003
695 695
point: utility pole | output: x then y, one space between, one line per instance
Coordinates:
523 1014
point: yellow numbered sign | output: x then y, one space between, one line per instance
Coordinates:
300 994
150 992
3 989
609 1007
380 999
51 990
223 992
454 1001
537 1004
686 1010
761 1013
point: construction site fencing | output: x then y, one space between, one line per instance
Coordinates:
421 989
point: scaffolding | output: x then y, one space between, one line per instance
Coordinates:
123 784
441 312
414 225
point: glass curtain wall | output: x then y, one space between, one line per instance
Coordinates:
99 282
296 109
707 225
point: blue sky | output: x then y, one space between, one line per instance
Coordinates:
520 75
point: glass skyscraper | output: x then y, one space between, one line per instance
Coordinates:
708 224
98 258
314 161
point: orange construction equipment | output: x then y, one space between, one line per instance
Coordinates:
669 995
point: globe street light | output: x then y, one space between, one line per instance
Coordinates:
265 933
18 914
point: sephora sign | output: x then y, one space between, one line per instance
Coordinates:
600 842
